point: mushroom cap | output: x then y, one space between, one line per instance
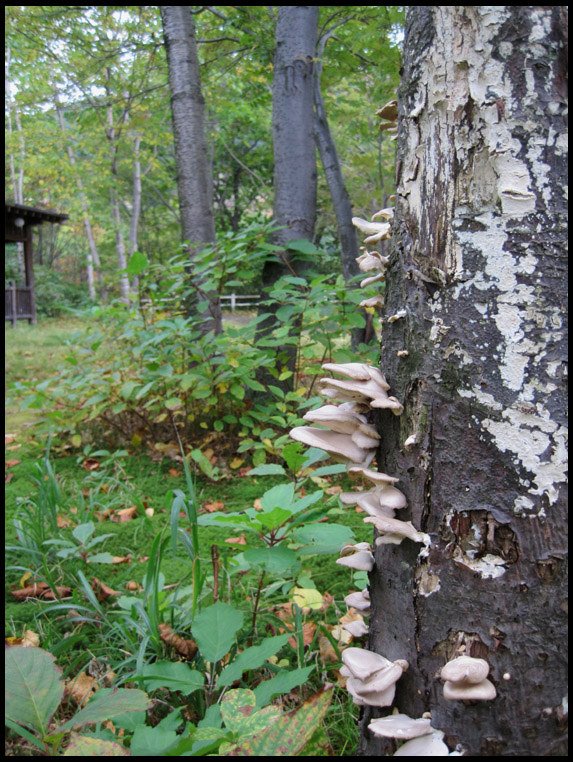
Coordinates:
372 278
338 414
359 600
358 371
357 629
370 228
380 236
363 561
384 698
363 663
430 745
394 528
381 680
389 402
484 691
349 549
374 301
339 446
389 110
370 389
387 213
400 726
366 436
368 501
371 260
465 668
377 477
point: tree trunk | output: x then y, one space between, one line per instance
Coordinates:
17 180
478 265
349 248
93 255
293 141
194 174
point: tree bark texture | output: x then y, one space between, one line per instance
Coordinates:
294 153
194 173
478 275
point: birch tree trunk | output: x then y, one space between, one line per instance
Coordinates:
294 148
194 173
478 268
17 178
93 255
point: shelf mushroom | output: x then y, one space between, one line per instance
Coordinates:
400 726
345 419
359 601
371 678
393 531
380 501
376 231
466 679
357 556
429 745
340 446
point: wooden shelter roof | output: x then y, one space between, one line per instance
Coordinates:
33 215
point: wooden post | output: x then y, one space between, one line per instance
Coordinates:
29 260
13 301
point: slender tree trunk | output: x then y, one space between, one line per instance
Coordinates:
349 248
293 141
92 255
194 174
478 268
17 178
136 205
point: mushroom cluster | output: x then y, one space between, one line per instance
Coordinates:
466 679
371 678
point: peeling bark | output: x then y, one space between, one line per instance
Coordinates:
478 264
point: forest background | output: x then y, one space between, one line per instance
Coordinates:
89 133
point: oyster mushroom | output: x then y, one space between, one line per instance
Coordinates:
372 678
382 229
466 679
340 446
359 600
400 726
357 556
394 531
345 420
381 501
357 629
429 745
374 301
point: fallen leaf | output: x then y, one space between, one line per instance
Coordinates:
242 540
175 472
28 640
236 462
121 559
9 438
218 505
41 590
326 650
308 631
14 447
257 505
102 590
11 463
91 464
187 648
333 490
63 522
80 689
133 586
8 477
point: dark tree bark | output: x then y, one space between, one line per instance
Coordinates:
293 139
478 265
194 174
347 237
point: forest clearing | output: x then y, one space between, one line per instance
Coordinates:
286 381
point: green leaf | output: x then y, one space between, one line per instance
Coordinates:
305 247
251 658
238 708
137 263
322 538
83 532
108 704
177 676
266 469
152 742
287 736
33 687
280 496
214 630
237 391
282 683
275 559
273 519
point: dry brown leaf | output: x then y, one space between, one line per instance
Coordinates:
80 689
14 447
90 464
64 522
8 477
241 540
326 650
257 505
308 631
28 640
333 490
40 590
101 590
217 505
175 472
11 463
121 559
9 438
134 586
187 648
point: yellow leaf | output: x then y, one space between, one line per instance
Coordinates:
24 578
222 387
136 440
236 462
307 598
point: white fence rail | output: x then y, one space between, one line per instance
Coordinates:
232 301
